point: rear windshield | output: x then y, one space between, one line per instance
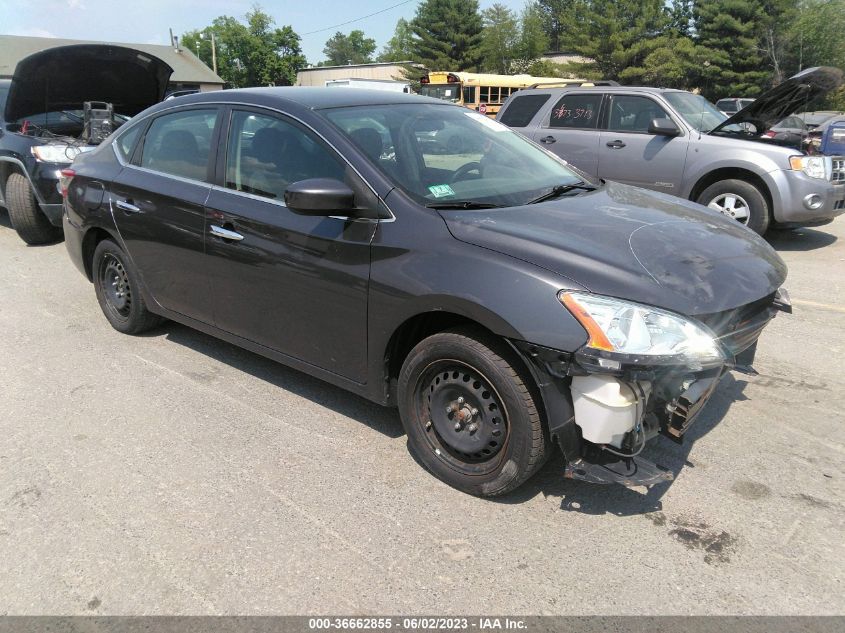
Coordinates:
521 109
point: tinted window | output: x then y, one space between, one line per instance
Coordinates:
633 114
180 143
126 142
576 111
522 109
265 154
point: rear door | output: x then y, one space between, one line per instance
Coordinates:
569 129
293 283
629 154
158 203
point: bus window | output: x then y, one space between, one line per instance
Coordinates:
469 95
446 93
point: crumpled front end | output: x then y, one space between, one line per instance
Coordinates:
617 401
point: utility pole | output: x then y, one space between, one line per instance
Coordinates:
213 53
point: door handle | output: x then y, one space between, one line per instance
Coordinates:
226 234
548 139
126 205
616 144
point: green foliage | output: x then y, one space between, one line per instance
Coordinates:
500 38
250 54
729 32
447 35
349 49
399 48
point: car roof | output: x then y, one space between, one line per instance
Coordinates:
313 98
611 89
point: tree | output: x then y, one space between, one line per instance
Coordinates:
251 54
399 47
729 33
354 48
447 34
563 22
500 38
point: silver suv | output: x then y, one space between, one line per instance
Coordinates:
679 143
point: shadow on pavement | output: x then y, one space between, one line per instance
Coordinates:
799 239
378 418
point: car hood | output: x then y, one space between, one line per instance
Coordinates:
633 244
64 77
787 97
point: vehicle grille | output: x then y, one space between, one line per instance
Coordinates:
838 173
739 328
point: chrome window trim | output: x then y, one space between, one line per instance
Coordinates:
234 105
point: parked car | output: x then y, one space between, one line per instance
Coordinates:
44 123
815 135
679 143
814 119
732 105
503 302
791 130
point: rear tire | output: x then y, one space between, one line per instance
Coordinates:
27 219
738 199
492 439
118 291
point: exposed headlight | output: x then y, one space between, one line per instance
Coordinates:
813 166
55 153
636 330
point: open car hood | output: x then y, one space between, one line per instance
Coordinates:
63 78
790 96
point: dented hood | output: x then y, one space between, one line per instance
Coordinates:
633 244
64 77
786 98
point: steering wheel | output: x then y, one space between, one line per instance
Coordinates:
463 170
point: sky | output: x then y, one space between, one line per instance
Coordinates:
148 21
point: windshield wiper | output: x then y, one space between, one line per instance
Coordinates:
559 190
463 204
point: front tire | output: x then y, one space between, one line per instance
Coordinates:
740 200
31 224
469 412
118 291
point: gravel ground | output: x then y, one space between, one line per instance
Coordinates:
173 473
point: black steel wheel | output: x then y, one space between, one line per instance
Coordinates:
467 406
118 290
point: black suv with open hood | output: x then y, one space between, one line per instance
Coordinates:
62 101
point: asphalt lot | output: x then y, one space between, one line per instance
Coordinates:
176 474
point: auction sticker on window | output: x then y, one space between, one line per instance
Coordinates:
441 191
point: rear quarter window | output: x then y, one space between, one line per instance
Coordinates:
522 109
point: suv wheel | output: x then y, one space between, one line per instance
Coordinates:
739 200
118 293
469 414
26 217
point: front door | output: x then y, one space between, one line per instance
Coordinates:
158 205
293 283
629 154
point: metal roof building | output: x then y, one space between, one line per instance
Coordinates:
385 71
188 70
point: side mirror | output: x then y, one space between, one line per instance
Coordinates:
320 196
663 127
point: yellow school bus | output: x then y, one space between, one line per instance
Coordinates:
486 93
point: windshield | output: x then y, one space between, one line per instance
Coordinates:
446 92
440 154
696 110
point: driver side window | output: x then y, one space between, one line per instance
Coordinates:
629 113
265 154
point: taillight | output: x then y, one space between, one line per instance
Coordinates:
64 180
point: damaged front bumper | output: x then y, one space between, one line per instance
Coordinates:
602 410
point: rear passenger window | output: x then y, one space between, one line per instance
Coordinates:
126 141
179 144
265 154
576 111
522 108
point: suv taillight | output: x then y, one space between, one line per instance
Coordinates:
64 180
